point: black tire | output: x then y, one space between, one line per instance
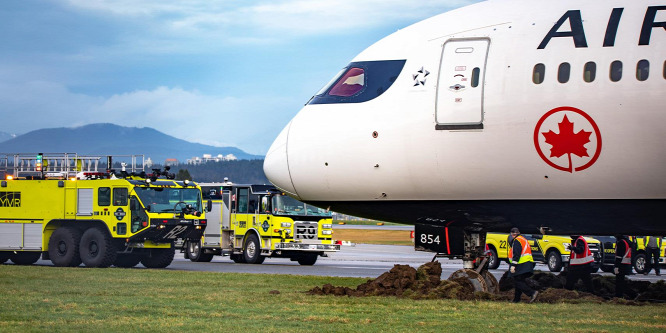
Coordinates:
25 258
64 247
554 261
127 260
607 268
4 256
640 263
308 260
97 248
195 252
252 250
158 258
237 258
493 259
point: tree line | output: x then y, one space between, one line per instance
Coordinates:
238 171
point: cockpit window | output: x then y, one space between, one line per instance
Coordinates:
360 82
350 84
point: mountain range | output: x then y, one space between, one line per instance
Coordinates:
109 139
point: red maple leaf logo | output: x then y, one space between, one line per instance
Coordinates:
567 142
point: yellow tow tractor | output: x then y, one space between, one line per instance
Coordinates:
59 206
552 250
253 222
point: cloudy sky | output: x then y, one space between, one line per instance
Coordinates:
225 72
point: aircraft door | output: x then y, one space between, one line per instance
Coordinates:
460 88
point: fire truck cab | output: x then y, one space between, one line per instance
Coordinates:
61 207
253 222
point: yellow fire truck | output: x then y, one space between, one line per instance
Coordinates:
253 222
61 207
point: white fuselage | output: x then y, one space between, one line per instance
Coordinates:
440 137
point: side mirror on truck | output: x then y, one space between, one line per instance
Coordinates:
209 205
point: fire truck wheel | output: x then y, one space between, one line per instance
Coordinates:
4 256
158 258
25 258
554 261
195 252
97 248
64 247
127 260
493 260
252 250
237 258
308 260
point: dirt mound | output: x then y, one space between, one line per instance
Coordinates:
425 283
405 281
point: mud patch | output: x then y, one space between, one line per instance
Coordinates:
425 283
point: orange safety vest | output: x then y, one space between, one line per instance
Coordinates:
626 258
525 252
581 258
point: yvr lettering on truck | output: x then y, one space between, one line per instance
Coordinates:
10 199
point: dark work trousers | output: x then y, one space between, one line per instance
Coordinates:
521 287
577 272
651 254
620 283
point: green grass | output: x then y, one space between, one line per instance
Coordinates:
37 298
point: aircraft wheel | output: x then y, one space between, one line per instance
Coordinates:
491 282
476 279
64 247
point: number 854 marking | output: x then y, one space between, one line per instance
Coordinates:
429 239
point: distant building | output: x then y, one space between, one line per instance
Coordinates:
196 160
171 162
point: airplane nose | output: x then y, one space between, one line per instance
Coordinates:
276 163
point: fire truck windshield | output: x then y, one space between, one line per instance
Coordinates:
164 199
285 205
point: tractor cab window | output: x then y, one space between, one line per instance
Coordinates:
168 200
360 82
104 196
120 196
139 218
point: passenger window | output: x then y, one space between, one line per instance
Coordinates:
104 196
642 70
538 73
616 71
563 72
475 77
120 196
590 71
